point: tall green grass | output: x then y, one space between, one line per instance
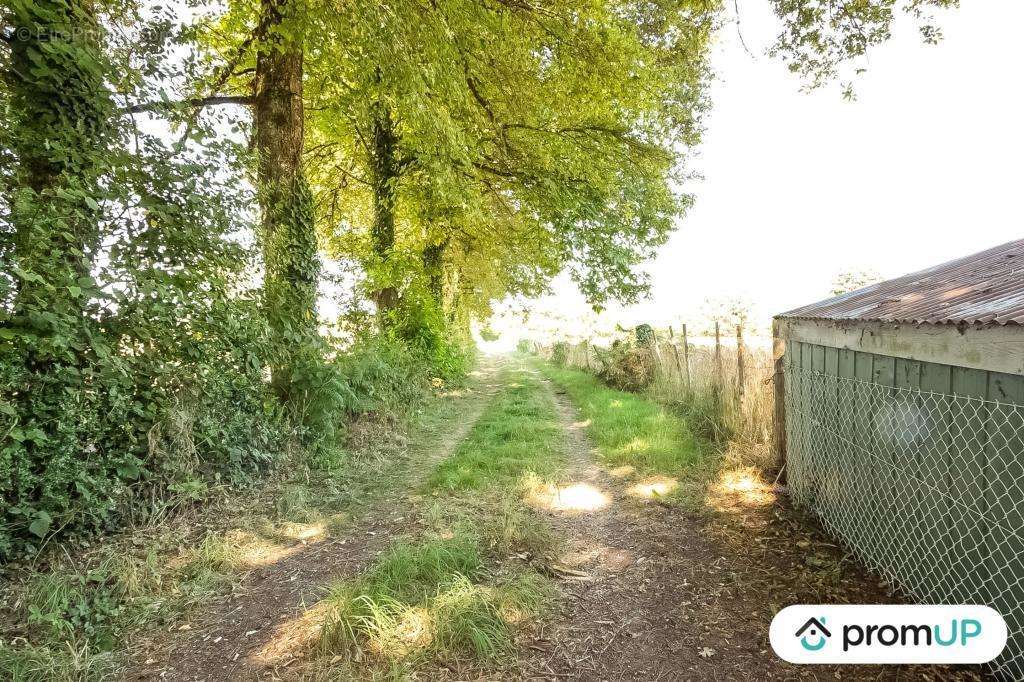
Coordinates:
628 429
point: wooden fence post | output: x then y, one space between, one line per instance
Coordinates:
686 357
740 369
718 358
675 352
586 353
656 350
779 380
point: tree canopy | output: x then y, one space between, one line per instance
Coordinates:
159 328
496 143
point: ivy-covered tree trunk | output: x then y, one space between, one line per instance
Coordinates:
291 262
60 130
385 172
433 266
451 298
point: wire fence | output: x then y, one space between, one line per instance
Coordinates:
732 372
927 488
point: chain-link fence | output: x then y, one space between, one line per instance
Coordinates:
927 488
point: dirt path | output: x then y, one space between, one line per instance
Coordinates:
652 591
651 595
251 634
645 597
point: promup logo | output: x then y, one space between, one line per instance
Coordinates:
813 630
888 634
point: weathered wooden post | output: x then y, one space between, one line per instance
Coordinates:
586 353
740 369
686 357
675 351
718 358
779 381
659 366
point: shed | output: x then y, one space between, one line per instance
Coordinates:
900 414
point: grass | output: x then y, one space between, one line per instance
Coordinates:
708 395
516 434
431 600
452 596
68 619
71 663
67 622
628 429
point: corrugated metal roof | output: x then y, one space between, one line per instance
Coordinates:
984 288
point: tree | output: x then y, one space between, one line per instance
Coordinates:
130 357
254 57
290 259
852 280
820 36
474 149
58 135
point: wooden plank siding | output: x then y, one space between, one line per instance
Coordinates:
1004 473
969 432
937 574
916 507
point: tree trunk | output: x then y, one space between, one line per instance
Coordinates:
61 114
433 266
289 239
451 297
385 174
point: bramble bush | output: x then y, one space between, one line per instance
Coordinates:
626 366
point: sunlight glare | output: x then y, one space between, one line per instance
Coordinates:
575 497
305 531
654 487
623 471
743 486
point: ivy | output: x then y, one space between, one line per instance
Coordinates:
132 345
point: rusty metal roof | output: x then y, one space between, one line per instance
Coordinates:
984 288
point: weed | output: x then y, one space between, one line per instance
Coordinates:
209 561
410 572
72 662
467 622
512 527
293 503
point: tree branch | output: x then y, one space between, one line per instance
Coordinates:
194 103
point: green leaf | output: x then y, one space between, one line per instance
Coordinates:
41 526
128 470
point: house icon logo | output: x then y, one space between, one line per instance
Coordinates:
813 634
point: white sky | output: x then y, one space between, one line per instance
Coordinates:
923 167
